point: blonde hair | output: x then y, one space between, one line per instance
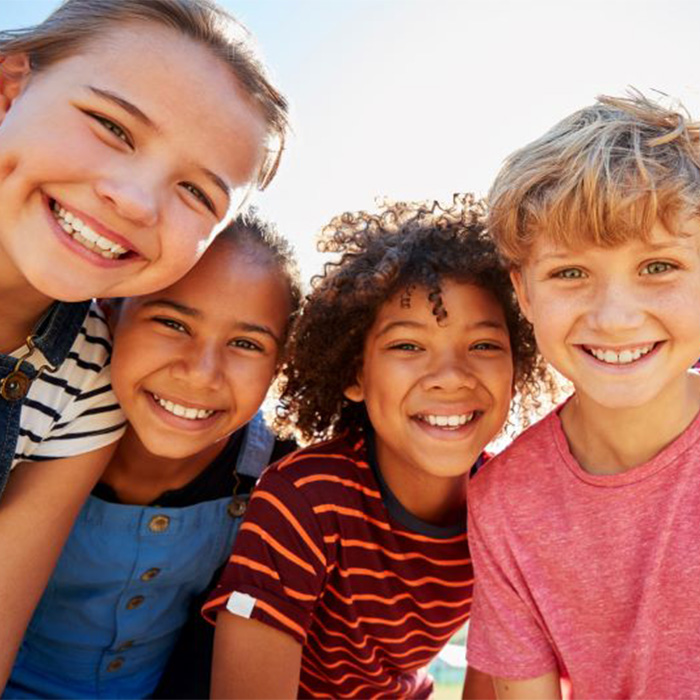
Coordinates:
601 177
74 22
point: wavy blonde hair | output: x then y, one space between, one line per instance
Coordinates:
602 176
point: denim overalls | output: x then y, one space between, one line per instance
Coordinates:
53 336
113 610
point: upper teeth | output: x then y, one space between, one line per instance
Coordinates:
81 232
620 358
448 421
183 411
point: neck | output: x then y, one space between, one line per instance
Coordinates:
139 477
22 308
611 440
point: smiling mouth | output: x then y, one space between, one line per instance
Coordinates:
619 357
80 232
187 412
450 422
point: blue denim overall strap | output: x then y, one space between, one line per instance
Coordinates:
258 443
122 590
54 336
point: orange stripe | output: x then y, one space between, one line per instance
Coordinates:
337 480
292 521
215 603
389 622
391 601
254 565
313 693
354 513
280 617
363 544
264 535
310 650
346 573
298 595
303 456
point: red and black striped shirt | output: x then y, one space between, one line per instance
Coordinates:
332 558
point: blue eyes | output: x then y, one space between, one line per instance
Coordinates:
570 273
657 267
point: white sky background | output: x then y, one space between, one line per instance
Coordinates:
423 98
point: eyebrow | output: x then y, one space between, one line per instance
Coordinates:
129 107
195 313
485 323
218 181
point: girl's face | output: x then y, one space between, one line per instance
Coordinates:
436 393
192 364
116 163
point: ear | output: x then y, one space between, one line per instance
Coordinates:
355 391
14 73
521 291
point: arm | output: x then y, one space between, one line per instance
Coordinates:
253 660
36 515
544 687
478 686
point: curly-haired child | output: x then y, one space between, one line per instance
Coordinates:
352 569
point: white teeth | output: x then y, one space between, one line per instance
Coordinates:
450 422
624 357
81 232
183 411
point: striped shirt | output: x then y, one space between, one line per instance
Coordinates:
73 410
328 555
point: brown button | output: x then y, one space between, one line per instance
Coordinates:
135 602
151 573
15 386
115 665
159 523
125 645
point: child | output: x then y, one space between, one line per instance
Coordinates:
112 182
352 570
584 531
191 366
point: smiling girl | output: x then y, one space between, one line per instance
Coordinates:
191 366
352 568
113 181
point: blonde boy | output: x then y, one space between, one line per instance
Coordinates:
584 533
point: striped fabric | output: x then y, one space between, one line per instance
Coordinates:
72 410
331 558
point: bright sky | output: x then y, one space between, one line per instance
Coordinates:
423 98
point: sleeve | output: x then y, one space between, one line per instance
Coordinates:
77 401
277 569
506 637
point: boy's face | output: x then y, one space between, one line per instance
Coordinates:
436 394
623 324
192 364
117 162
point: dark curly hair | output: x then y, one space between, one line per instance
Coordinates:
403 246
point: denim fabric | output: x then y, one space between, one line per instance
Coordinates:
122 589
54 337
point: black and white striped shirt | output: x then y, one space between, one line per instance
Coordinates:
73 410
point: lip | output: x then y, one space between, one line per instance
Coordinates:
621 368
178 422
94 258
451 434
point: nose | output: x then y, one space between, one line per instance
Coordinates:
133 195
200 367
450 371
616 307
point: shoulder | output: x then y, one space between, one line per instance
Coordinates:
521 465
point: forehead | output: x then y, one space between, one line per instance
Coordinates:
199 107
465 303
686 237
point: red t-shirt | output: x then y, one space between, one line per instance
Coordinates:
595 576
329 556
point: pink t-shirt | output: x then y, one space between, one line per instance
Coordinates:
597 577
